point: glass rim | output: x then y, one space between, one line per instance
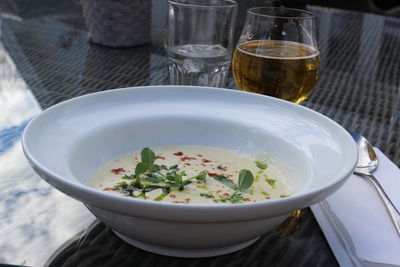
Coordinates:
306 14
231 4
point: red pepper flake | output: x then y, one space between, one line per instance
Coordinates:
203 164
160 157
187 200
218 191
212 174
178 154
187 158
199 155
172 195
117 171
246 199
188 164
109 189
199 182
205 160
226 195
222 168
267 197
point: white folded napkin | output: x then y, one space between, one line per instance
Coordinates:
356 223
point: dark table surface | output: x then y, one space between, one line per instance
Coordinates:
45 58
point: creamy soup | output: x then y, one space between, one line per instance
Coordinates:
194 174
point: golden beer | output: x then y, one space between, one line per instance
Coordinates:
282 69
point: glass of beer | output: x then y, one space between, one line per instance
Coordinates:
277 53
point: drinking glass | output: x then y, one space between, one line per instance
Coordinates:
200 41
277 53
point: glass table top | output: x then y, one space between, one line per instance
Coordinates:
45 58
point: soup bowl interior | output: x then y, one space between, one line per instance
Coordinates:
68 142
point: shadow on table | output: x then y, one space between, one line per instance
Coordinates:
295 242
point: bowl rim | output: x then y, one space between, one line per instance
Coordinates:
179 212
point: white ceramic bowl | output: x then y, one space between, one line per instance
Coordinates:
66 143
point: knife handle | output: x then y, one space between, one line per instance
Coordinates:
394 213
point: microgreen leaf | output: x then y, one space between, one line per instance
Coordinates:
206 195
246 179
151 188
179 181
170 178
235 198
202 187
265 193
225 181
271 182
128 177
161 197
163 167
172 171
282 196
261 165
148 157
186 182
155 168
166 190
143 195
126 189
137 183
121 185
202 176
141 168
173 167
153 179
178 177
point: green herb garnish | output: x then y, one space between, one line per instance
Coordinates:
246 179
128 177
236 197
141 168
149 188
265 193
201 176
225 181
271 182
202 187
148 157
161 197
206 195
152 179
261 165
149 176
